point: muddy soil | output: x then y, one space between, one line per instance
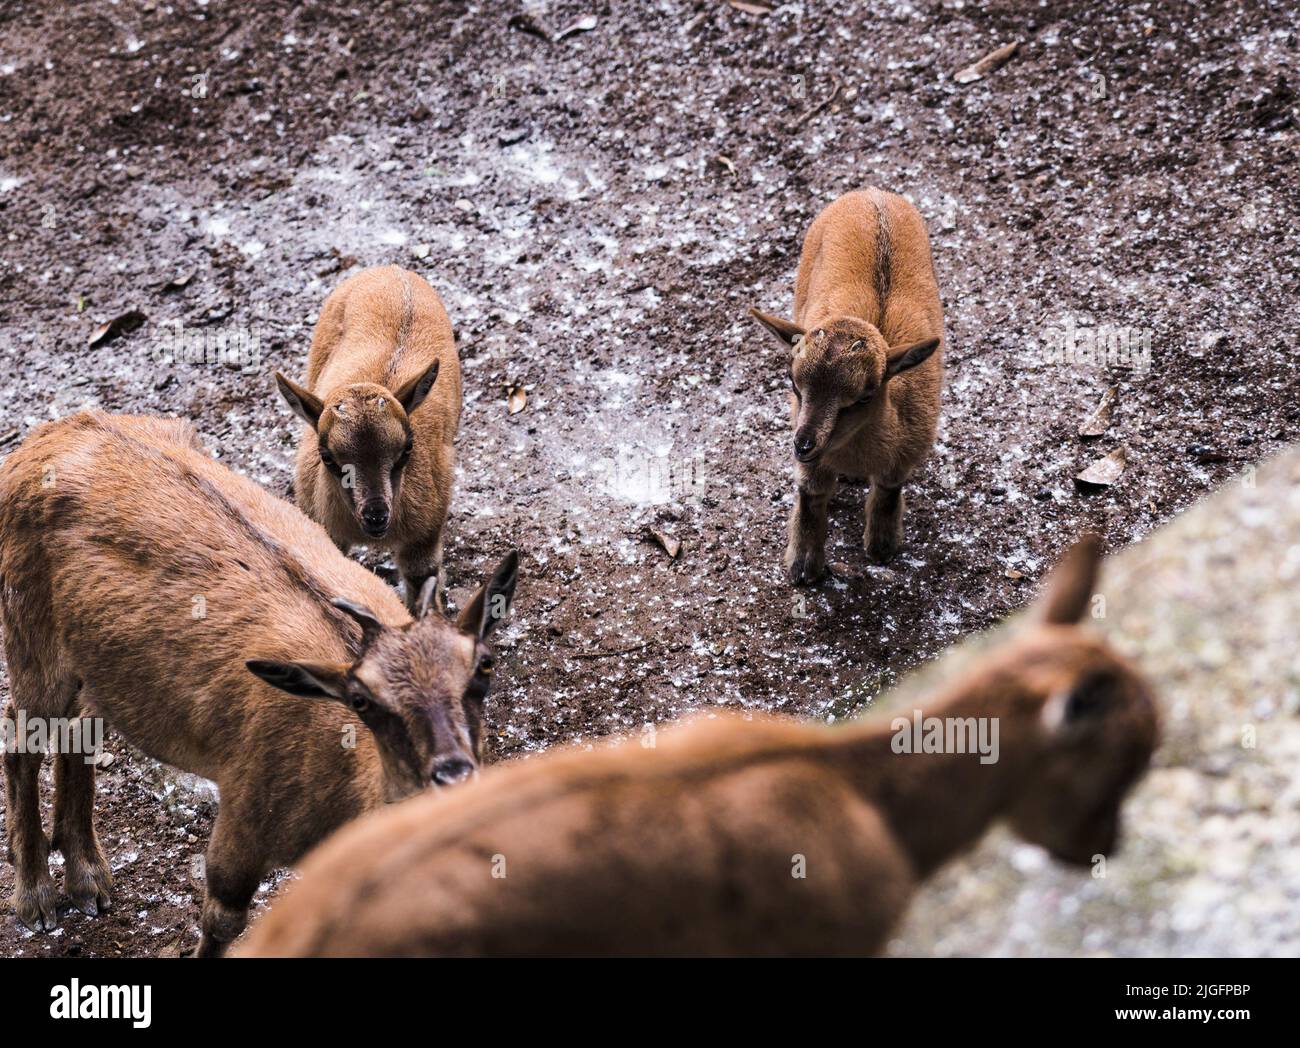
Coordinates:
598 211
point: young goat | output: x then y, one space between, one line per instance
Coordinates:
866 368
383 403
740 837
142 582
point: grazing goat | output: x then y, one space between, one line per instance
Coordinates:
866 368
383 402
142 582
739 836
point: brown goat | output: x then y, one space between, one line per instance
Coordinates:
142 582
738 836
383 402
866 368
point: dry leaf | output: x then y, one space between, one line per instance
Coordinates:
526 23
840 570
1099 420
1104 472
696 21
120 325
585 24
176 283
727 162
751 9
670 545
990 62
1012 573
517 400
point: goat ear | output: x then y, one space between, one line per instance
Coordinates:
785 330
412 393
1081 707
314 680
1071 585
492 601
307 406
371 627
431 597
904 358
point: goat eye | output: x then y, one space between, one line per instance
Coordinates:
359 703
486 665
327 459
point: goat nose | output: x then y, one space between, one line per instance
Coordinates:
374 515
450 770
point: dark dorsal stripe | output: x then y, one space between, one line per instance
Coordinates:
883 275
403 332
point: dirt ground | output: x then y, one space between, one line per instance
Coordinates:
598 211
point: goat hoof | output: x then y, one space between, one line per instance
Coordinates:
88 886
807 570
37 906
92 904
882 549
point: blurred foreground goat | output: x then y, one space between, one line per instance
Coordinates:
733 836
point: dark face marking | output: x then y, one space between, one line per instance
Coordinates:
835 374
423 689
365 443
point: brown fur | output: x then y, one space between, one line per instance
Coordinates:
866 370
380 333
689 847
110 528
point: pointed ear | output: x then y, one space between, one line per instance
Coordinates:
903 358
313 680
786 330
412 393
305 405
491 603
431 597
1071 585
371 627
